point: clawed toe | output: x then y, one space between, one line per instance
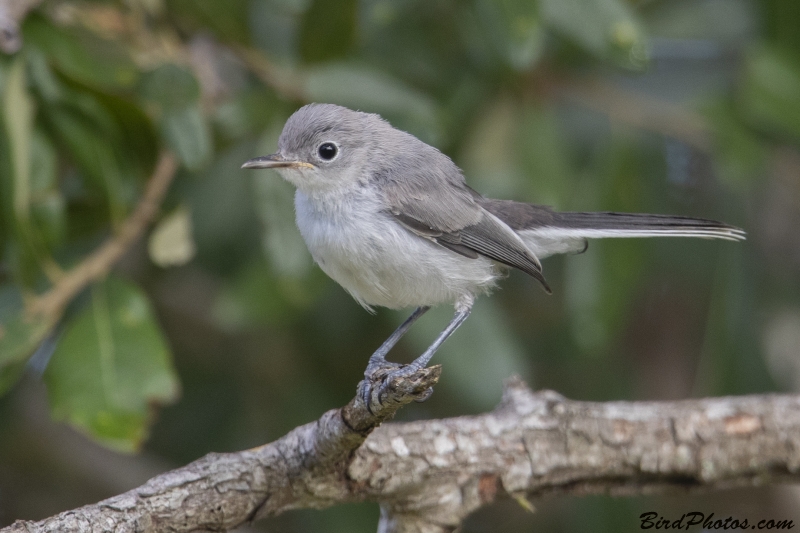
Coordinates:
403 383
377 373
382 377
425 395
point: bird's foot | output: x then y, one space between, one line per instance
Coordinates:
388 383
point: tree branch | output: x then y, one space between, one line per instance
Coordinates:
284 81
429 475
99 263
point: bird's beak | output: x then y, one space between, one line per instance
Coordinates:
275 161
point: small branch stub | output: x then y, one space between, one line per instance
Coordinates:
385 398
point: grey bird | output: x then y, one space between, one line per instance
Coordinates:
392 220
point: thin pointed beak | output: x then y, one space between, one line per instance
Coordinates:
275 161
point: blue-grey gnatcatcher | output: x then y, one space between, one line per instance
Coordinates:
392 220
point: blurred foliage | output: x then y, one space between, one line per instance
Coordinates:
684 107
109 364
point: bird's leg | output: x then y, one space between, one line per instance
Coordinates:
378 359
462 312
422 361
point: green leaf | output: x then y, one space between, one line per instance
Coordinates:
769 92
82 55
228 20
605 28
187 133
370 90
515 30
111 141
171 242
88 146
175 93
246 114
47 203
170 86
18 109
224 225
18 114
328 30
110 367
123 123
275 27
19 336
132 136
43 79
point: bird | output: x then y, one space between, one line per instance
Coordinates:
392 220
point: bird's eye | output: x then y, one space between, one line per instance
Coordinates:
327 151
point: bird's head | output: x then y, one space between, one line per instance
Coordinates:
326 147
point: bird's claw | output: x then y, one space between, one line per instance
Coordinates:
425 395
381 377
377 373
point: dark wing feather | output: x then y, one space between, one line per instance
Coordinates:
433 202
488 238
437 236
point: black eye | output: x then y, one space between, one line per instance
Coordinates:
327 151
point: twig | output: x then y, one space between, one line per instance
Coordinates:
284 81
52 303
12 13
429 475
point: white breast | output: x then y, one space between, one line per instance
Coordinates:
377 260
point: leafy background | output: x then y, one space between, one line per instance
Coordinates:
217 333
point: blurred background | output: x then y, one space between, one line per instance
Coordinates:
217 333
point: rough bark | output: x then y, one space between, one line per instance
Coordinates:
429 475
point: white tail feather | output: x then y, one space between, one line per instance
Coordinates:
549 240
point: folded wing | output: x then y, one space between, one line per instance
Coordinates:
436 204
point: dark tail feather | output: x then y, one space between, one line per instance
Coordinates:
547 232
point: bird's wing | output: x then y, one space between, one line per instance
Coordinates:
441 208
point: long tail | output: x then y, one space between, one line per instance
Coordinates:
548 232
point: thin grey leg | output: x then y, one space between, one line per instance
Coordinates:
379 357
422 361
